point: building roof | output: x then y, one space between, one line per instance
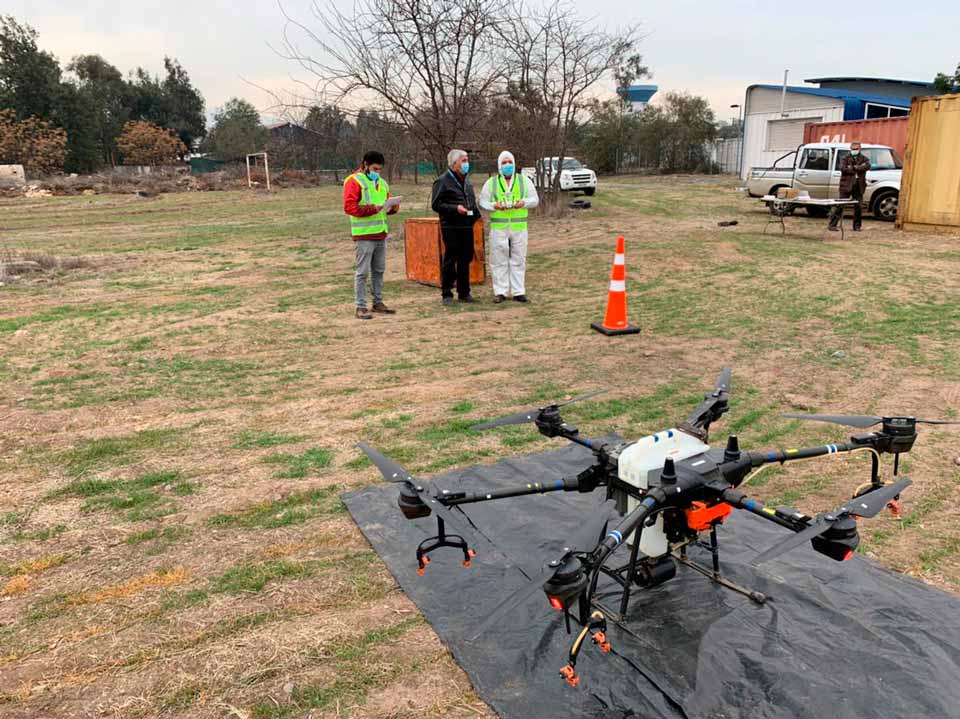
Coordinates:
838 94
639 93
887 80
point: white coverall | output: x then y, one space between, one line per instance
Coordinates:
508 248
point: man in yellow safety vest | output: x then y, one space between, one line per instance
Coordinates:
364 195
508 196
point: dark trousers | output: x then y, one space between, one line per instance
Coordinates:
457 256
854 194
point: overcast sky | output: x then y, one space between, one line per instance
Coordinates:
703 47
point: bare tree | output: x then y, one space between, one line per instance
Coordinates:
557 58
426 64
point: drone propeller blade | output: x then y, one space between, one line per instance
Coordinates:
817 528
530 415
723 381
866 505
860 421
391 471
590 534
520 418
938 421
870 504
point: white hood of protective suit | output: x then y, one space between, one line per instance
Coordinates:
507 155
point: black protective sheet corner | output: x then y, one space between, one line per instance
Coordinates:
840 640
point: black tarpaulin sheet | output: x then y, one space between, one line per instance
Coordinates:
835 640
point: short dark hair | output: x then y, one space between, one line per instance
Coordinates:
373 157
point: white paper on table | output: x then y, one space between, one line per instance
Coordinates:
392 202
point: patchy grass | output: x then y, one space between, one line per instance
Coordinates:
254 439
216 340
296 508
113 451
355 676
298 466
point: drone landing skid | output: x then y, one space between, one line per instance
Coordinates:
714 573
646 572
442 540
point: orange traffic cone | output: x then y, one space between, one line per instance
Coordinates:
615 321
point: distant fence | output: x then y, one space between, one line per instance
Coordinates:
725 155
130 170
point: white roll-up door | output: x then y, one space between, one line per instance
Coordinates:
787 134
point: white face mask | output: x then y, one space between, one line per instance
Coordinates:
854 152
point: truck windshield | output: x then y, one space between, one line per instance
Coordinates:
881 158
569 164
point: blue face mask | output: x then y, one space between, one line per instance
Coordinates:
465 168
854 152
374 176
507 170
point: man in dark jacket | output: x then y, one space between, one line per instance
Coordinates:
853 183
454 201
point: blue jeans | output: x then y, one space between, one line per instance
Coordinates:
371 260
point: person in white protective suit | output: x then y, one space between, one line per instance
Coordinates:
507 196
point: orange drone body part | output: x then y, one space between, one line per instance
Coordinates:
701 517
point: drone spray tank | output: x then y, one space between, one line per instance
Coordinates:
635 465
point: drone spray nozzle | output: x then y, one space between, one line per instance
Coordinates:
410 503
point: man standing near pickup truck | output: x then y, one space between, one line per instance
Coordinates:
853 183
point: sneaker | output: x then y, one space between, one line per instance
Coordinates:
468 298
498 299
833 229
447 301
520 298
383 309
364 314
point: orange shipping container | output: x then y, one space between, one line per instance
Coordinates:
424 251
889 131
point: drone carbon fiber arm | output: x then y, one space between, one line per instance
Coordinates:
781 456
588 480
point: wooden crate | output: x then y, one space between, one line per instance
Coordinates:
424 251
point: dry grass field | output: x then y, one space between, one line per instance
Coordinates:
180 408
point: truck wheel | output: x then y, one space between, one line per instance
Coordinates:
885 205
814 211
589 192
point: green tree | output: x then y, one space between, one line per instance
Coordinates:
170 102
102 86
948 83
76 112
605 136
236 131
29 77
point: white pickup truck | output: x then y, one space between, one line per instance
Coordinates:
816 170
574 176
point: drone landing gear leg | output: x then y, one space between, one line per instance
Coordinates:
442 540
714 574
595 623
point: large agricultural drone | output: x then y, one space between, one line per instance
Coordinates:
670 490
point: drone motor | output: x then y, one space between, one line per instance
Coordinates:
840 541
410 503
566 584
